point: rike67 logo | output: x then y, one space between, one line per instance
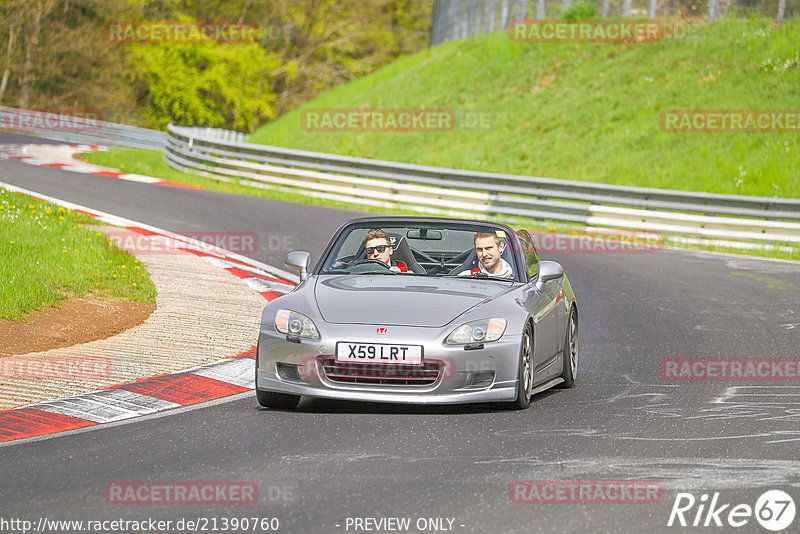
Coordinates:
774 510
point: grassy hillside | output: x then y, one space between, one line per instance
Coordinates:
586 111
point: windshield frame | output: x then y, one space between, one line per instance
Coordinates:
468 225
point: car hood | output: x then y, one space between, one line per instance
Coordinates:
400 300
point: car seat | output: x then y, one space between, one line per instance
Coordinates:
402 252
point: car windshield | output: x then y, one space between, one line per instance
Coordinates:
423 249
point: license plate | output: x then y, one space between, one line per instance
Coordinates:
378 353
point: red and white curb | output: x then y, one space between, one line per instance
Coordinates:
126 401
23 154
150 395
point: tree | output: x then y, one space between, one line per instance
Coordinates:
54 53
323 43
223 85
32 15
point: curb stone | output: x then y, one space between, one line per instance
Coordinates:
156 393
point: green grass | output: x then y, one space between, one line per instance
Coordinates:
585 111
48 254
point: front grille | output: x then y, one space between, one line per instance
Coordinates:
379 373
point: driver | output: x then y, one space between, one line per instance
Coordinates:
489 247
378 246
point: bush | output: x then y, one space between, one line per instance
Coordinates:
579 11
196 84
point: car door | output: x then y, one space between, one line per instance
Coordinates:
542 304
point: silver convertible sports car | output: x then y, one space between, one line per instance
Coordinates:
422 310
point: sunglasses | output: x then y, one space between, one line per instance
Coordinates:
379 248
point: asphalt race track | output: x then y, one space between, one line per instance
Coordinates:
328 463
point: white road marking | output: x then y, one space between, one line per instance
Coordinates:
260 284
105 406
238 371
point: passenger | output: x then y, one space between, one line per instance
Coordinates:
489 247
377 244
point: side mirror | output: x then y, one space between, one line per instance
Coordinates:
548 270
298 260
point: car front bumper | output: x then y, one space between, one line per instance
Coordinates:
451 375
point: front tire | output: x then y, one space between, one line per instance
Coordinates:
525 373
570 353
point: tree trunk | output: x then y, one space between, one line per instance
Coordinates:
506 13
436 23
490 13
522 9
474 18
13 28
40 10
245 10
713 8
626 8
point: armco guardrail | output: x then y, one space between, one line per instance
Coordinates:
80 130
224 155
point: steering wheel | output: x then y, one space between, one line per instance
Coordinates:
366 264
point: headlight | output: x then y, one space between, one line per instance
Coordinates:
481 331
295 324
